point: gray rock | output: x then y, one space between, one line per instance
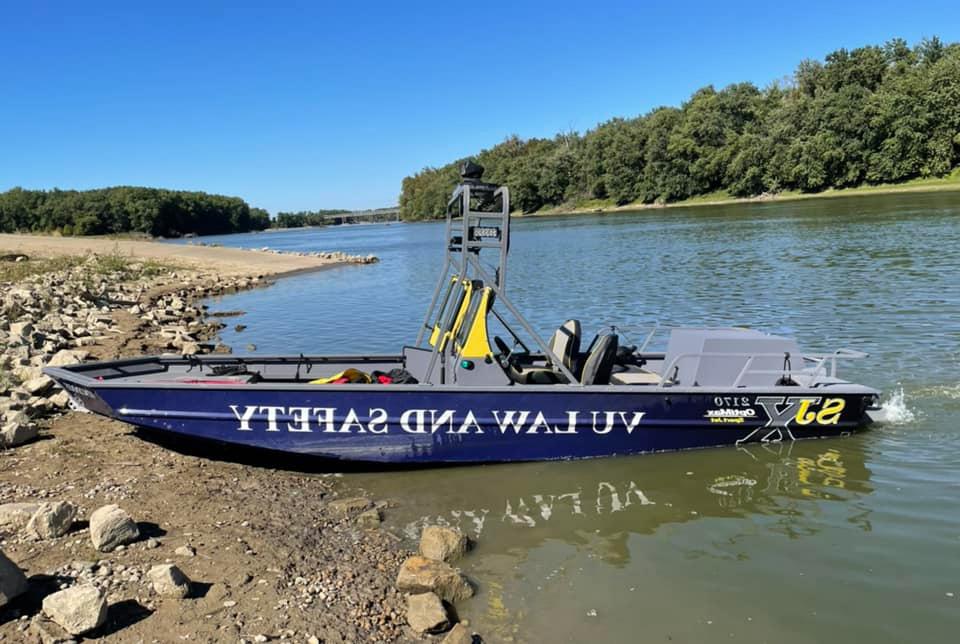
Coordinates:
12 580
21 330
16 433
47 632
66 357
426 614
369 519
189 348
18 417
442 544
16 516
78 610
348 507
169 580
186 551
61 399
39 406
38 386
111 527
459 635
25 373
422 575
52 520
20 354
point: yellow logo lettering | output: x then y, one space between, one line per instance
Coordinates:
830 413
804 415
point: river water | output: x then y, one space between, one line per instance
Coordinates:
849 539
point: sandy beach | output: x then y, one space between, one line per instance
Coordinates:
226 261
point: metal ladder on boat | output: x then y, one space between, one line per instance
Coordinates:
477 219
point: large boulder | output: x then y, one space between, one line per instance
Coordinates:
15 516
169 580
78 610
38 386
17 433
422 575
52 520
12 580
111 527
426 614
442 544
66 357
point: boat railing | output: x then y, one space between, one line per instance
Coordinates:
825 365
830 359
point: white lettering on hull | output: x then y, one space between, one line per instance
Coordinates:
376 420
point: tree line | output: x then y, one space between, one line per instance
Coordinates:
876 114
152 211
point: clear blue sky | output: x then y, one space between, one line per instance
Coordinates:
315 105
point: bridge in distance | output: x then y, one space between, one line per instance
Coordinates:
364 216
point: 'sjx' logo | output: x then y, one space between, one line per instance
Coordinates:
782 411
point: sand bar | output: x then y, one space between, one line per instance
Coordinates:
227 261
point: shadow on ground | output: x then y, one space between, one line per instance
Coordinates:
121 615
31 602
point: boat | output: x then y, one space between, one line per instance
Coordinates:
480 384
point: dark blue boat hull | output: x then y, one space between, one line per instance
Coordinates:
424 425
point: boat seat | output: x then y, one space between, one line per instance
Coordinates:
565 342
598 365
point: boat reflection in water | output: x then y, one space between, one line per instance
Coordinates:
517 506
589 531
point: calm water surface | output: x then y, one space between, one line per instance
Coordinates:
854 539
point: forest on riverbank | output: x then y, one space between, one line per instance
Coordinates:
871 115
151 211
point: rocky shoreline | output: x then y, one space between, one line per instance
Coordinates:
211 549
337 256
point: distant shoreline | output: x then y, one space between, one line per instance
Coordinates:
945 184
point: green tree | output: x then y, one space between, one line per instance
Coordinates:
868 115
